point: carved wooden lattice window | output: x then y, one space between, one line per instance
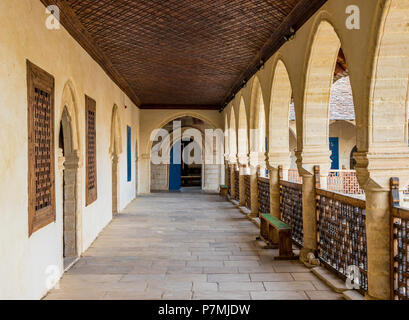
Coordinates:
41 173
91 152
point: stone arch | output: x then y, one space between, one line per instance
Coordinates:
169 142
313 138
70 160
116 134
175 116
226 136
70 103
115 150
279 139
232 138
242 137
388 98
257 120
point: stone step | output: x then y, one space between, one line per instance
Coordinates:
330 279
353 295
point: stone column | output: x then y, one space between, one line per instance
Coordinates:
306 162
243 167
232 180
374 171
275 162
256 160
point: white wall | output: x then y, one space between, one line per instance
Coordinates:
24 36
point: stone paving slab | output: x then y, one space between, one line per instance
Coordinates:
183 246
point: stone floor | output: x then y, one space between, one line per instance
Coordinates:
185 246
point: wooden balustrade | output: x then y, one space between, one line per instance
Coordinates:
263 195
228 179
291 208
247 192
237 185
341 234
399 246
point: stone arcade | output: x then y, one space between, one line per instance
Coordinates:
312 100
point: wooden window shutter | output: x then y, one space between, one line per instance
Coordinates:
41 162
91 151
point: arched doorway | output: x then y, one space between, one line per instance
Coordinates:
193 137
70 250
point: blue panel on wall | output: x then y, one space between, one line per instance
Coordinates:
334 147
175 168
129 152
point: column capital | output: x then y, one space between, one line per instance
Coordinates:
374 169
243 159
277 159
257 158
308 159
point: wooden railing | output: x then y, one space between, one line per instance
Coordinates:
341 234
291 208
263 194
399 246
247 192
236 185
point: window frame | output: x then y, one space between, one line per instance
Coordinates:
38 78
91 195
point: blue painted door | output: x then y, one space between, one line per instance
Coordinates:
175 168
334 147
129 153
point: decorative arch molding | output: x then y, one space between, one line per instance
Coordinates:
70 165
390 79
313 127
281 92
70 104
116 134
174 117
242 133
232 137
257 121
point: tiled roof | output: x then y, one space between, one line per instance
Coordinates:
341 104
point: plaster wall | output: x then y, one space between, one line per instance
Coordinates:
24 36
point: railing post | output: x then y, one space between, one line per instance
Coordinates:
253 191
394 201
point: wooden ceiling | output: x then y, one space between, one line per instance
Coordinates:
182 53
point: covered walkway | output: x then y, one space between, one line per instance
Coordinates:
185 246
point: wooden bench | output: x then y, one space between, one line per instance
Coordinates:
223 190
269 228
